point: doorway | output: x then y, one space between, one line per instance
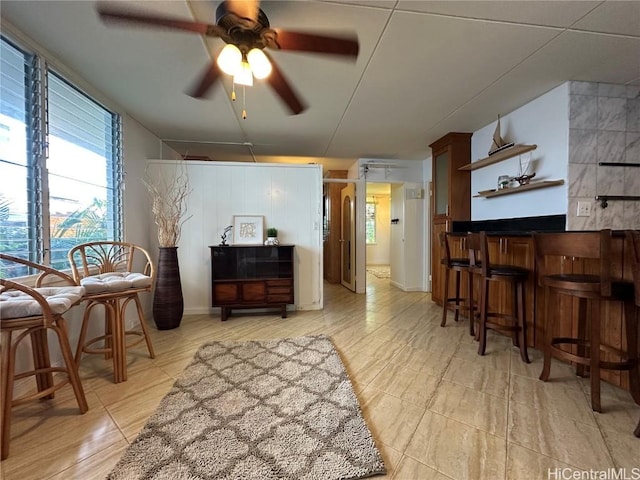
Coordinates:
378 229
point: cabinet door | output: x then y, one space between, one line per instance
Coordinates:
225 293
441 183
254 292
437 269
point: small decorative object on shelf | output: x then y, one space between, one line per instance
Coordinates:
503 181
272 236
224 235
525 179
498 144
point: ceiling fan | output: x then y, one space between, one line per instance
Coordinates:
243 25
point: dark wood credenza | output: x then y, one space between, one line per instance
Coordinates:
251 276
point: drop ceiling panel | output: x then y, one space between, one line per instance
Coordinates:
554 13
424 68
613 17
574 55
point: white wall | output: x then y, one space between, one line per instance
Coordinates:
544 122
288 196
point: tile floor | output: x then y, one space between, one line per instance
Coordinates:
437 410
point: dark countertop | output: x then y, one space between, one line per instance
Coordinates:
513 227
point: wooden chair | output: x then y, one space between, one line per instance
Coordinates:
31 312
552 251
633 244
490 272
113 274
456 265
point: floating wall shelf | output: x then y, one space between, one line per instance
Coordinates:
498 157
521 188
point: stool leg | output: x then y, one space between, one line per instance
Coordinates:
594 351
582 335
631 328
143 326
482 324
514 314
118 344
41 359
83 332
6 396
445 303
548 336
456 314
522 332
72 369
472 317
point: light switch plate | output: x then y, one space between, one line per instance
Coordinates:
584 209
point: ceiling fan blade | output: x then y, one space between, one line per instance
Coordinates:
209 76
244 8
307 42
108 14
282 87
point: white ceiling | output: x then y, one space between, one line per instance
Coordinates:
425 68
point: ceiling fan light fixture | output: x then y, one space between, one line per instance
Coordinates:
260 64
230 59
243 76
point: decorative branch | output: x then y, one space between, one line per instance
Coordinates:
169 196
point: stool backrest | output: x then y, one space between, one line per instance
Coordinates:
94 258
574 245
46 275
444 249
633 244
474 247
445 246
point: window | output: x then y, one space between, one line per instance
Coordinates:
60 163
370 222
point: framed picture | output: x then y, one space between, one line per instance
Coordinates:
248 229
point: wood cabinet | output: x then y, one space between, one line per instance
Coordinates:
451 188
450 197
252 277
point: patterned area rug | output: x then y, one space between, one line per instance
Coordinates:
380 271
270 409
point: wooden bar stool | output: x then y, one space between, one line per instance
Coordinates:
556 255
516 277
113 274
32 312
633 244
457 265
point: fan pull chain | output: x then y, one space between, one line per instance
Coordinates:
244 112
233 91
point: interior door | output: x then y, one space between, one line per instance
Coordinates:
348 237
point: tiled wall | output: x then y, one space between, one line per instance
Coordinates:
604 127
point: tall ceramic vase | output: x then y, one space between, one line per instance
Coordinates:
168 304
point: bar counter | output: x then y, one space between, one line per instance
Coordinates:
511 242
